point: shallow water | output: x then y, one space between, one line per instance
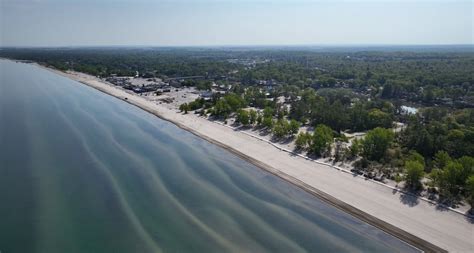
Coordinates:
81 171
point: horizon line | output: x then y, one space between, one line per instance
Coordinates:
247 45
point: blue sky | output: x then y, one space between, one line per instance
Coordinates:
233 22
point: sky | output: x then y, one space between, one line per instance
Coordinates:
52 23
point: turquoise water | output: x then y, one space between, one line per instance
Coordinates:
81 171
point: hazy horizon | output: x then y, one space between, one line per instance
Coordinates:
321 47
232 23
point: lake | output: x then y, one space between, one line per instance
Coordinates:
81 171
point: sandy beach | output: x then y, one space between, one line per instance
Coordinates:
418 222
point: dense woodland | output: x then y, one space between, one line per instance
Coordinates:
436 76
331 92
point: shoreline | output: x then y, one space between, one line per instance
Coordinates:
394 188
196 129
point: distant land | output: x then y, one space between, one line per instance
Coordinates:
323 47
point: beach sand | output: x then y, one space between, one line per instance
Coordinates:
413 220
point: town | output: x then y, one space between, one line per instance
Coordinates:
236 126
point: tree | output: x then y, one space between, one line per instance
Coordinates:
203 85
387 90
378 118
376 142
415 156
267 122
358 117
268 112
196 104
243 117
450 179
334 115
281 112
234 101
414 171
441 159
253 116
184 108
340 152
419 139
222 109
321 140
470 191
397 179
280 128
259 119
355 148
303 140
294 127
467 163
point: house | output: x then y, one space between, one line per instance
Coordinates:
269 85
137 90
206 95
